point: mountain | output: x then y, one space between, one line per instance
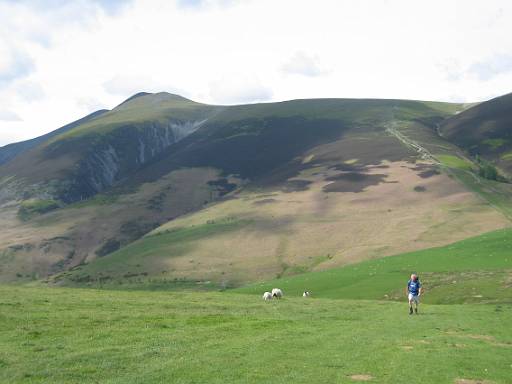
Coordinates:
77 162
10 151
485 130
164 191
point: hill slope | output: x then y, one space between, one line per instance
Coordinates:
345 189
486 130
10 151
240 193
75 164
475 270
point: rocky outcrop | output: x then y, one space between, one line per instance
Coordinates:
116 155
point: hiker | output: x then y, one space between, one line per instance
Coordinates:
413 292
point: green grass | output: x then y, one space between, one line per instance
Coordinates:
88 336
478 269
152 107
497 194
454 162
35 207
495 143
356 110
132 264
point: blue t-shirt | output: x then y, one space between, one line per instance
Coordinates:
414 287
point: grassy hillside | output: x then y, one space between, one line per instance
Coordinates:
310 223
260 140
87 336
10 151
144 107
474 270
92 154
37 240
485 129
277 189
307 203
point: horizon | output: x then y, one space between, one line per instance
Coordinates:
60 61
254 103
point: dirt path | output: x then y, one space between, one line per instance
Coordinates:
391 128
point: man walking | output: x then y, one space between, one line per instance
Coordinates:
413 292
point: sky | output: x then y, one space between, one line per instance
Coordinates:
63 59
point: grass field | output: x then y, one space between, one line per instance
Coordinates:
58 335
454 162
476 270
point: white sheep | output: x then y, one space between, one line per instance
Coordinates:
267 296
277 293
306 294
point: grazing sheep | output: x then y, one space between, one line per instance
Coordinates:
277 293
267 296
306 294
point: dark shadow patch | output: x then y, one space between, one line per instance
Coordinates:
426 170
223 186
111 245
353 182
347 167
420 188
264 201
296 186
428 173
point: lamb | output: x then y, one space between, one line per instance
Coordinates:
267 296
277 293
306 294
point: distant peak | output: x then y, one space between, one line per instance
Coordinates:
135 96
155 97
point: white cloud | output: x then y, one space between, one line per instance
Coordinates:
6 115
14 64
239 90
29 90
304 64
487 69
90 104
127 85
73 56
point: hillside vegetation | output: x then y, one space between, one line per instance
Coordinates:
484 130
475 270
163 191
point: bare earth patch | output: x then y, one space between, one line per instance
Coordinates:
490 339
361 377
470 381
481 337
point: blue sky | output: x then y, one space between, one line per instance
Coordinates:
62 59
